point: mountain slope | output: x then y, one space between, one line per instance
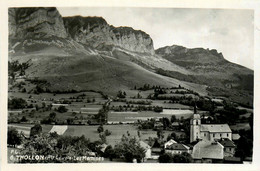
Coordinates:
83 71
210 68
87 53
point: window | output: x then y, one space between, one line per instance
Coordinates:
227 134
204 134
220 135
197 122
213 135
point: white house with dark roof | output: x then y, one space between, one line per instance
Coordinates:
170 142
229 147
177 148
208 132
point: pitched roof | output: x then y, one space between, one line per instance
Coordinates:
215 128
175 124
177 146
227 142
170 142
144 145
103 147
235 136
208 150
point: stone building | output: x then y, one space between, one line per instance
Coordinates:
209 132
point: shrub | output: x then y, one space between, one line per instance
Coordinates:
100 129
107 132
17 103
36 130
62 109
13 138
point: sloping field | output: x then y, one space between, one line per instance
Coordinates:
88 131
169 105
92 72
116 135
115 117
176 112
25 128
239 126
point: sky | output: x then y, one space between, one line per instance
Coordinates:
230 31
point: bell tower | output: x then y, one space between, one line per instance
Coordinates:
195 124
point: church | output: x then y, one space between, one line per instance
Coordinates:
207 132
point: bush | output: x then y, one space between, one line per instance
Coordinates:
24 119
177 158
130 149
62 109
13 138
110 153
100 129
165 158
36 130
158 109
107 132
17 103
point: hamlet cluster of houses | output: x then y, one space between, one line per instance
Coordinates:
213 143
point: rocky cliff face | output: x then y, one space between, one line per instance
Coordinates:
180 53
35 23
95 31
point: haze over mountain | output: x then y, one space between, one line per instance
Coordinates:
86 53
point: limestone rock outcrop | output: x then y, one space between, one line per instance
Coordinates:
35 23
96 32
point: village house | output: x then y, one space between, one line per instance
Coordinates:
148 153
235 137
229 147
169 143
158 125
103 147
177 148
156 149
208 152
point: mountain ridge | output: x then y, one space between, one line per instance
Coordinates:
101 52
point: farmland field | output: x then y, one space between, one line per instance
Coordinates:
144 115
25 128
116 135
169 105
239 126
248 109
91 131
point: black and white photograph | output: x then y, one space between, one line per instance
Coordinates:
145 85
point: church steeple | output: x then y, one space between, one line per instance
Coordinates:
195 108
195 124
